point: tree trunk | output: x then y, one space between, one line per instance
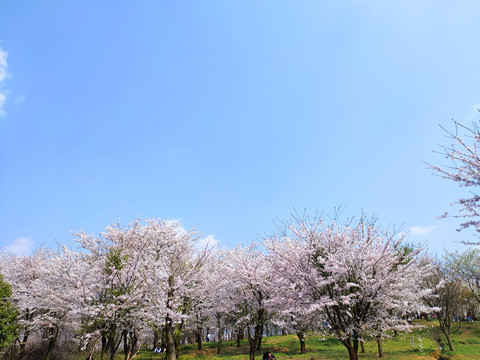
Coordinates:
104 347
169 330
355 344
220 335
252 348
301 337
52 341
155 337
445 326
129 344
177 337
23 343
126 347
219 342
380 348
259 335
239 336
352 351
450 344
362 346
198 336
111 342
170 341
253 342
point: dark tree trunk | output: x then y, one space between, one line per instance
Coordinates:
259 336
450 344
169 330
104 347
252 348
220 335
352 351
379 346
177 337
170 341
352 354
198 336
51 341
445 326
355 345
126 347
301 337
155 337
220 340
112 343
239 336
253 342
129 344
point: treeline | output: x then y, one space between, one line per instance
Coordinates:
151 283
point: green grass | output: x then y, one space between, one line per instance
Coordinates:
424 343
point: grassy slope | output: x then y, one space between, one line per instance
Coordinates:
420 344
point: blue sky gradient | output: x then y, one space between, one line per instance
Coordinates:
228 114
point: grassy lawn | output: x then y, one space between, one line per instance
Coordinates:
426 343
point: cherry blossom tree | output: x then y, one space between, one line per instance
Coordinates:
464 169
20 272
40 295
222 306
249 275
117 299
173 271
354 275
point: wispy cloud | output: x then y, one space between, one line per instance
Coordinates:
3 64
3 76
20 246
2 102
421 230
209 241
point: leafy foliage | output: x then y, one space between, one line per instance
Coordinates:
8 315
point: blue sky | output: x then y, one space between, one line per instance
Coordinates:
228 114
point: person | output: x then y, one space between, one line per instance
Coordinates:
268 356
157 350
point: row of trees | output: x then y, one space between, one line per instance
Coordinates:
352 279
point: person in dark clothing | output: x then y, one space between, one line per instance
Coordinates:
268 356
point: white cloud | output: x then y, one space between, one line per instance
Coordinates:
421 230
209 241
3 75
20 246
176 222
3 64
